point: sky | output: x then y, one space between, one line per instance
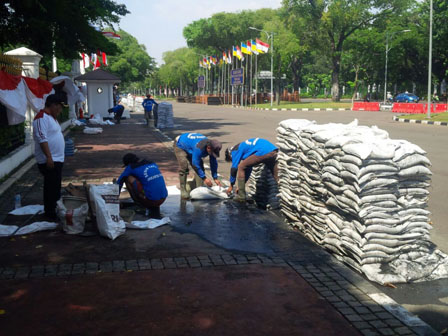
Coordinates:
158 24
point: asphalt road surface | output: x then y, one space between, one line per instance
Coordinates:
429 300
231 126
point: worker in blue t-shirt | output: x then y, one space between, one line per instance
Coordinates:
144 182
150 106
190 149
246 155
118 111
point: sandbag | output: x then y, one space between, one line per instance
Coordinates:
104 199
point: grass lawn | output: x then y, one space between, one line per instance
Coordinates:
434 117
321 105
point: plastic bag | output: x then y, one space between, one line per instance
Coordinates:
28 210
148 224
105 201
92 130
204 193
73 220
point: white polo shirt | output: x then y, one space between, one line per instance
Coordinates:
47 129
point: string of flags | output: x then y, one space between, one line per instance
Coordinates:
249 47
97 60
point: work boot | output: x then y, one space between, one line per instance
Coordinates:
241 195
199 181
184 194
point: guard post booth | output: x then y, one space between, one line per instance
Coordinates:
100 88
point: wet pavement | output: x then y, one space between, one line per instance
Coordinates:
195 276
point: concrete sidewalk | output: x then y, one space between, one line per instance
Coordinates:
219 269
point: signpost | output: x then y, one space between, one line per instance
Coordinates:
201 82
237 76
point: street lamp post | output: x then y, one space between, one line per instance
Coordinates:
428 114
270 35
387 52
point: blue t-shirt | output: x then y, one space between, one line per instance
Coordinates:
151 179
148 103
190 142
117 108
254 146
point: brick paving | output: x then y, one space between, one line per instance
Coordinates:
344 290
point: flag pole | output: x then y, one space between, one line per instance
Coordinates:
250 85
256 79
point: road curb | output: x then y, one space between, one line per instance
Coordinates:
425 122
290 109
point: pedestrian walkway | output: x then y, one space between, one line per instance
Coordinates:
220 268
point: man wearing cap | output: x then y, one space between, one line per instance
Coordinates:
49 146
190 149
246 155
144 182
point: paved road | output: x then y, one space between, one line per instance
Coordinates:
234 125
429 300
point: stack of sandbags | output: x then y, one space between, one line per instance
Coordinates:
165 115
263 188
358 193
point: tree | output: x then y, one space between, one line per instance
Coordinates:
62 27
222 30
180 69
333 21
132 63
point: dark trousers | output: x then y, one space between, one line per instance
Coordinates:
117 116
184 160
139 195
155 111
52 186
269 159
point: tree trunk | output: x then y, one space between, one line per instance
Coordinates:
335 77
356 83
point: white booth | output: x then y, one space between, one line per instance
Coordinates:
100 86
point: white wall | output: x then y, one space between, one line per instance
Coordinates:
99 103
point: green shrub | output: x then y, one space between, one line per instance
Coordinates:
11 137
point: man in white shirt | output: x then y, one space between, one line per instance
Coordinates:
49 151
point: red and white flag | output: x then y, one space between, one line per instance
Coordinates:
13 96
37 91
104 58
112 35
262 46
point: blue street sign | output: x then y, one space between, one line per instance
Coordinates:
237 76
201 82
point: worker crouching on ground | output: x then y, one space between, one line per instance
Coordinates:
144 182
117 110
189 149
246 155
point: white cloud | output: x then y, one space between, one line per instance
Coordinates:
158 24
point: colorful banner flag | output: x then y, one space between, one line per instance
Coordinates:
254 47
234 51
224 57
229 58
244 49
239 54
249 47
262 46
